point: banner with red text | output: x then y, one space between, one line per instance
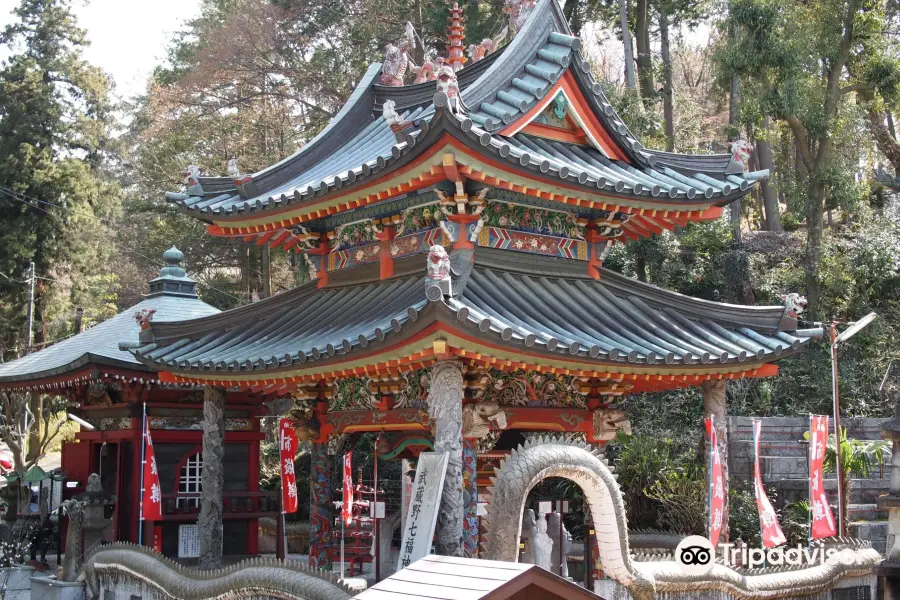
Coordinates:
151 494
768 520
716 485
288 444
347 504
823 524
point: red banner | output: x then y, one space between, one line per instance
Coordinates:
151 499
288 443
768 520
716 485
347 504
823 524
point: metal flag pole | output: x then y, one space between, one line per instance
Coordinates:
343 509
283 541
836 410
342 544
143 469
809 458
375 515
709 468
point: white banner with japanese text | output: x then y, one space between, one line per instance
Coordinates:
423 507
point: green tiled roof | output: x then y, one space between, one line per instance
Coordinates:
521 301
173 297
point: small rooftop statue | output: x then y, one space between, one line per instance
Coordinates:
437 284
518 11
478 51
427 71
740 152
447 83
794 304
233 171
143 317
191 175
396 59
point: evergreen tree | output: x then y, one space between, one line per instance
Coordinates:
54 127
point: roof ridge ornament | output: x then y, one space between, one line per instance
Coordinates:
448 95
741 150
455 49
173 279
437 277
518 11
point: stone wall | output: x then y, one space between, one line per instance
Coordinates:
783 461
855 588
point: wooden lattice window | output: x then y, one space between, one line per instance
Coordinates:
189 481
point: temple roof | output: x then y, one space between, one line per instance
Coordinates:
173 297
336 171
542 309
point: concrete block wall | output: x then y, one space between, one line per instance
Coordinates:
783 462
783 457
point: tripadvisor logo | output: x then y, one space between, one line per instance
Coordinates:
695 555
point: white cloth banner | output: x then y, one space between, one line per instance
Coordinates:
423 507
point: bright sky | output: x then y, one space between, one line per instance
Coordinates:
128 37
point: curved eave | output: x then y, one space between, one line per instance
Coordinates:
416 164
437 333
549 326
88 366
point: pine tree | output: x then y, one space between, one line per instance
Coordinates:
54 128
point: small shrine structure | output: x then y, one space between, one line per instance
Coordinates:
107 388
455 231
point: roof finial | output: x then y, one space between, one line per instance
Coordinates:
456 52
173 279
173 257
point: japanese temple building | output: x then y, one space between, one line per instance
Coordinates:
522 171
108 388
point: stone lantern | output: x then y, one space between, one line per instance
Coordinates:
95 501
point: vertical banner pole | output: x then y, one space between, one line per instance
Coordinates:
709 498
836 409
375 516
809 459
143 460
281 530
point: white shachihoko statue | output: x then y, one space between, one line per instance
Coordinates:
543 545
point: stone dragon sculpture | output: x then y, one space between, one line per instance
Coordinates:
151 575
545 457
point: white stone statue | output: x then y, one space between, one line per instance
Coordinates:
543 545
389 113
233 171
529 531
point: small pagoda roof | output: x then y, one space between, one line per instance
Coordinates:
358 158
524 308
173 297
